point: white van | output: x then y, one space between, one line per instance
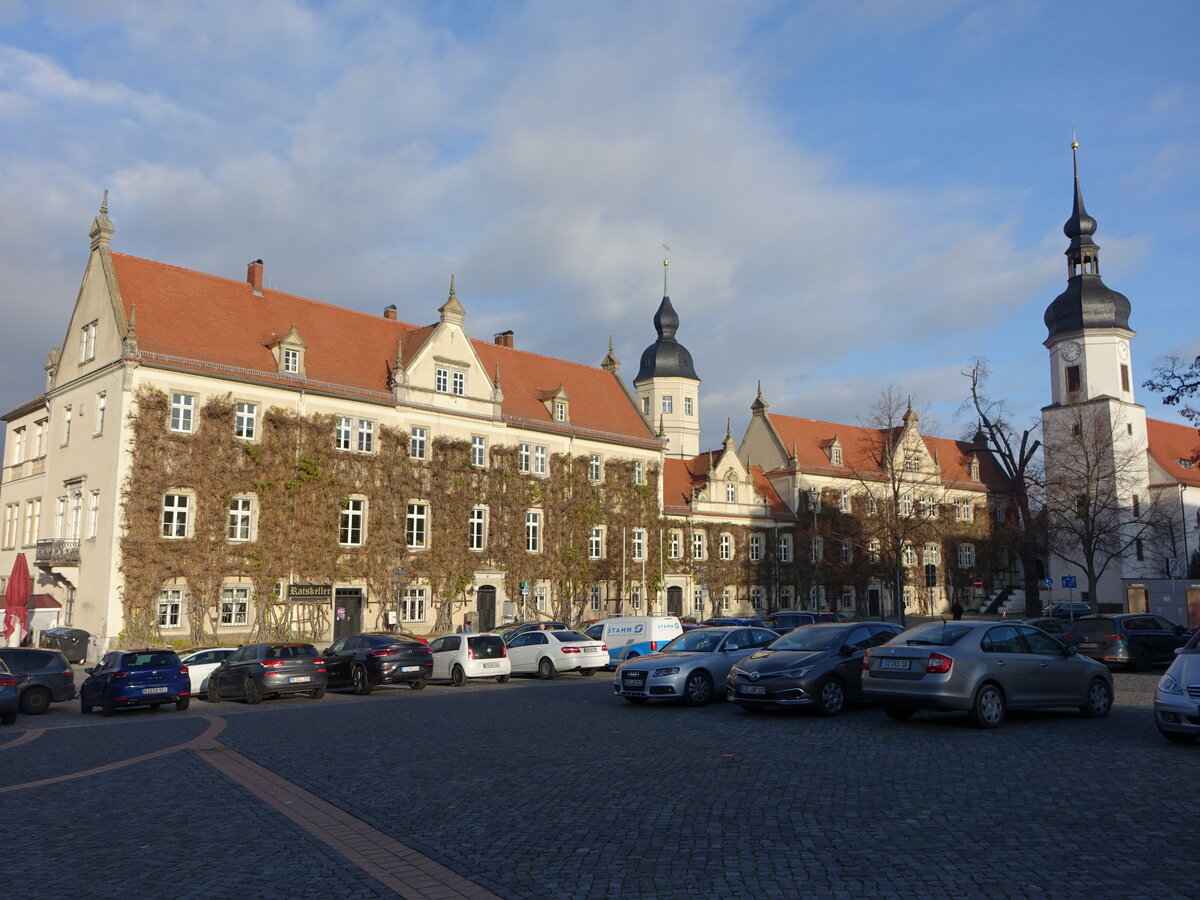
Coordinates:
631 636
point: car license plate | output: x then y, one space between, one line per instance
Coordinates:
157 690
491 665
753 689
1089 645
894 664
410 668
297 679
633 682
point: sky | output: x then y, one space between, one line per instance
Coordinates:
856 194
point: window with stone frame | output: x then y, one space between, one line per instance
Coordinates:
725 547
245 420
594 467
477 529
170 608
533 531
756 548
235 606
342 432
638 544
413 604
176 515
416 526
966 556
352 523
785 548
596 543
240 520
418 442
183 409
478 451
698 543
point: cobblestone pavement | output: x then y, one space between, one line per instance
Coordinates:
558 789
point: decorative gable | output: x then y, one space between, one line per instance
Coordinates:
288 352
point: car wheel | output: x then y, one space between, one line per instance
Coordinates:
832 697
636 699
318 693
546 670
502 679
988 709
417 685
458 677
899 713
1144 661
35 701
252 692
1177 737
360 682
213 695
84 706
107 707
587 673
8 718
183 703
1099 700
697 690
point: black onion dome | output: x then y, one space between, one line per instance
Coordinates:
1087 303
666 357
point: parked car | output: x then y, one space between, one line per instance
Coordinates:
550 652
787 619
755 621
1067 609
201 662
1049 624
691 668
628 637
512 630
983 668
44 677
819 666
8 695
460 657
1177 697
125 678
363 661
1137 640
257 671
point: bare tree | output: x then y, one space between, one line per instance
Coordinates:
1094 516
1017 458
1176 382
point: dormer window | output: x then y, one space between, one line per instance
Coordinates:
291 361
560 411
289 353
835 455
974 472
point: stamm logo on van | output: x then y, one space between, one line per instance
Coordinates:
627 629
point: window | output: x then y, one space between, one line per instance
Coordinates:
66 436
101 407
697 545
966 556
60 517
687 406
872 505
639 472
539 597
638 544
175 515
560 411
18 445
539 460
933 555
76 512
458 383
33 520
668 404
595 598
635 598
835 455
183 407
725 598
170 607
350 528
478 451
87 342
912 461
785 548
999 513
847 552
1139 549
1137 506
245 421
973 473
235 605
533 531
1125 378
674 540
441 380
730 492
756 597
594 470
477 529
929 508
756 548
725 547
962 510
416 526
873 551
844 500
239 519
291 361
645 406
909 555
417 441
366 436
12 517
524 457
341 432
785 596
94 515
412 605
698 600
906 505
816 550
596 543
1072 379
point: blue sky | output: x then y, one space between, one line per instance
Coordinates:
857 194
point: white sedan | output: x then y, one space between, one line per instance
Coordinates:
549 652
201 662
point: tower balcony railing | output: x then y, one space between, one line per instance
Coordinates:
58 552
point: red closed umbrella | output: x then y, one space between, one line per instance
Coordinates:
17 596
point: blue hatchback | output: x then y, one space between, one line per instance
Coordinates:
136 678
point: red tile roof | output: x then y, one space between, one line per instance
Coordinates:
36 601
859 446
683 476
1169 443
203 323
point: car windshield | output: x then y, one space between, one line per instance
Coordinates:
811 639
699 641
940 634
292 651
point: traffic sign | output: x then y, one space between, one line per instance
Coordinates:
1068 581
978 583
1049 582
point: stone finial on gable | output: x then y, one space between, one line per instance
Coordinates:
102 227
129 342
452 311
610 362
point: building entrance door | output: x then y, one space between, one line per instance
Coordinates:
347 611
485 608
675 601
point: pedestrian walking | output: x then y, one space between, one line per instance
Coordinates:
957 610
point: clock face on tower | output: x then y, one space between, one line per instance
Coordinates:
1071 351
1123 350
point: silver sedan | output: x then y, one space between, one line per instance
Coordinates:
983 668
1177 699
687 668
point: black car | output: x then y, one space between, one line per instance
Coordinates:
819 666
127 678
726 621
785 621
1137 640
1049 624
255 671
363 661
45 677
1066 609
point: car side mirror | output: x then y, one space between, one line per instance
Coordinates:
327 651
1069 650
91 670
1178 650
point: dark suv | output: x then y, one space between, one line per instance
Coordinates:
785 620
44 677
255 671
1138 640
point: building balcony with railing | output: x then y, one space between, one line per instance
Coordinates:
58 552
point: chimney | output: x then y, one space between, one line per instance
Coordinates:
254 276
389 312
504 339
